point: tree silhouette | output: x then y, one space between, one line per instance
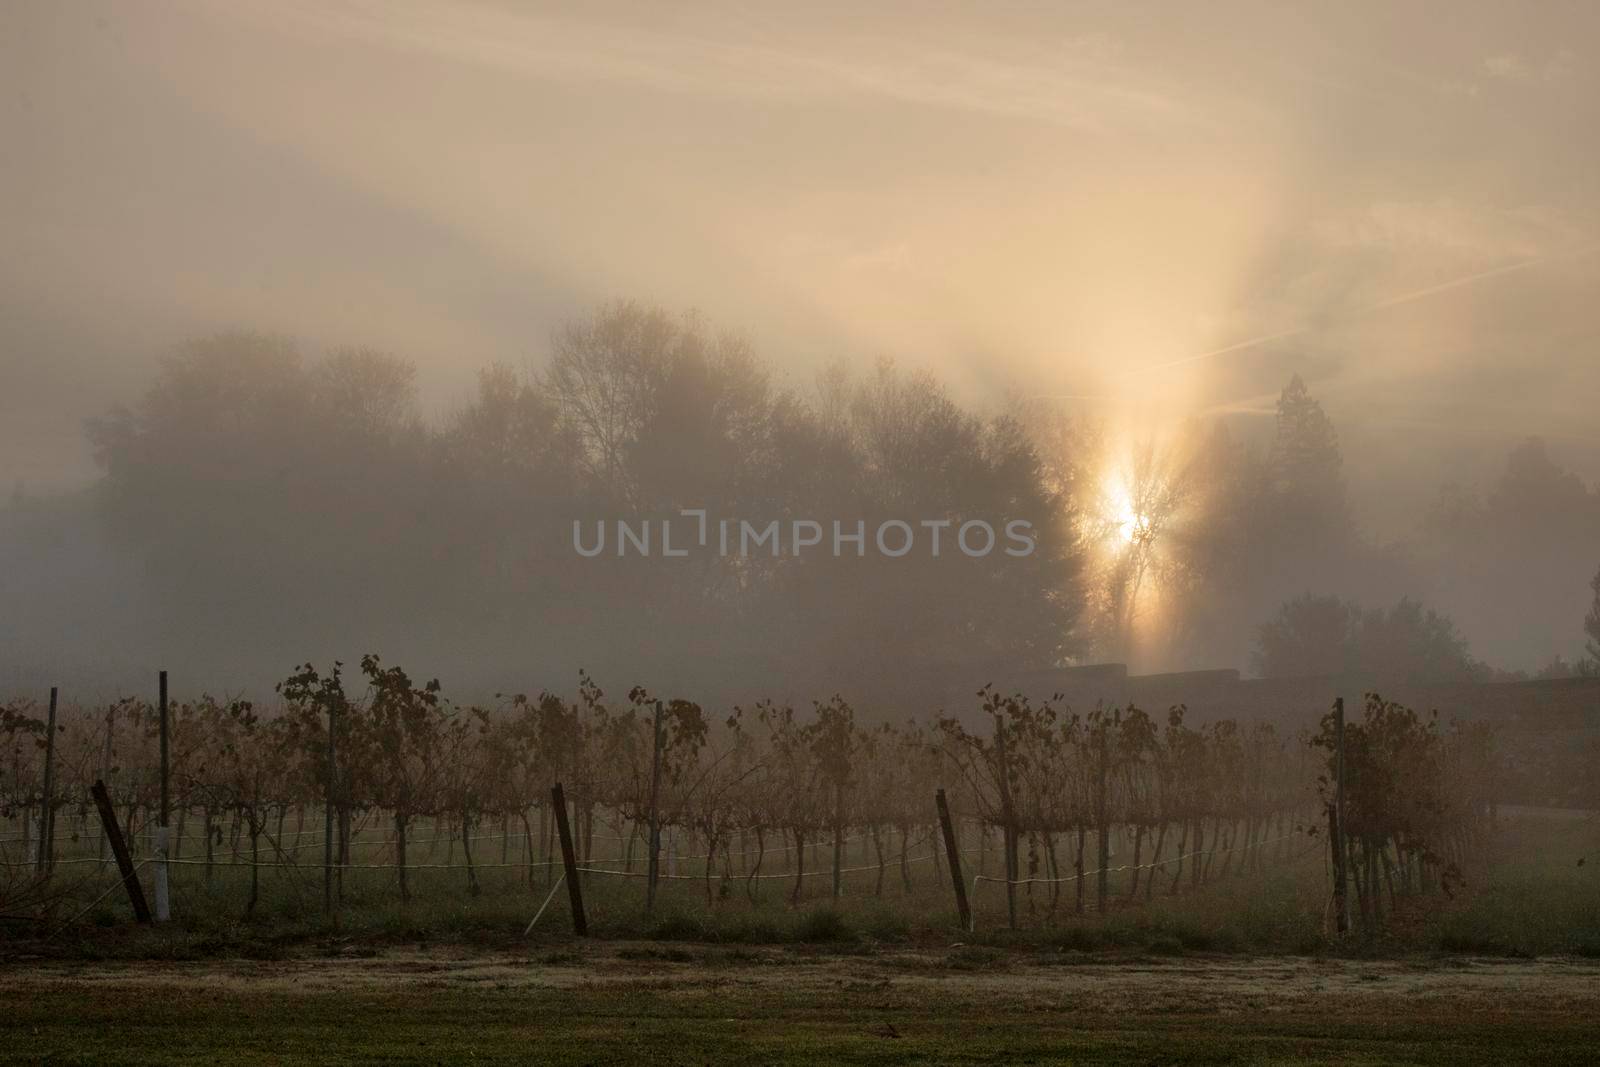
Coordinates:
1314 636
278 502
1515 560
1305 461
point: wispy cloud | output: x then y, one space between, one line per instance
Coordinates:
1083 81
1515 67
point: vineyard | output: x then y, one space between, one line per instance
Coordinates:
334 800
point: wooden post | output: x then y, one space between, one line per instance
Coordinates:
163 846
838 836
1008 839
166 796
654 867
119 848
569 859
47 814
1102 817
953 853
327 814
105 768
1341 899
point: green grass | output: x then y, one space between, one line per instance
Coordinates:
649 1021
859 980
1532 899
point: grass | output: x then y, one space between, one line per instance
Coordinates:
1239 971
682 1005
1533 900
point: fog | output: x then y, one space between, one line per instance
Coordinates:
1126 229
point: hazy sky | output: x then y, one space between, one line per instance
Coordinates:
1065 198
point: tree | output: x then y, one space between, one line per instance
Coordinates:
275 503
399 744
1512 564
317 714
660 761
1315 636
243 471
1138 506
246 770
1193 535
604 374
1535 489
900 449
370 392
1309 637
1413 788
1305 460
224 418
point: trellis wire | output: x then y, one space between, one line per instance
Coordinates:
1133 867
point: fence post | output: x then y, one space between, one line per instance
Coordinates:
1008 838
119 849
569 860
953 853
1341 899
327 813
838 836
47 814
105 769
654 866
1102 816
163 908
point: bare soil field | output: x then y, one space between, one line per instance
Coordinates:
616 1002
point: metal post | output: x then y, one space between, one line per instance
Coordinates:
1008 837
1102 816
1341 898
838 837
105 769
47 814
327 813
655 817
163 904
166 796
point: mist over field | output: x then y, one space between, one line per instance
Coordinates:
773 532
321 325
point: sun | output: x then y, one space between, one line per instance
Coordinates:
1123 523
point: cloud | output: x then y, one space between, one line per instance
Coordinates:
1083 80
1481 232
1030 196
1513 67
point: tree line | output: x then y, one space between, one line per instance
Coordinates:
278 504
258 502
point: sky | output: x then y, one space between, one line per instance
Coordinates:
1151 212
